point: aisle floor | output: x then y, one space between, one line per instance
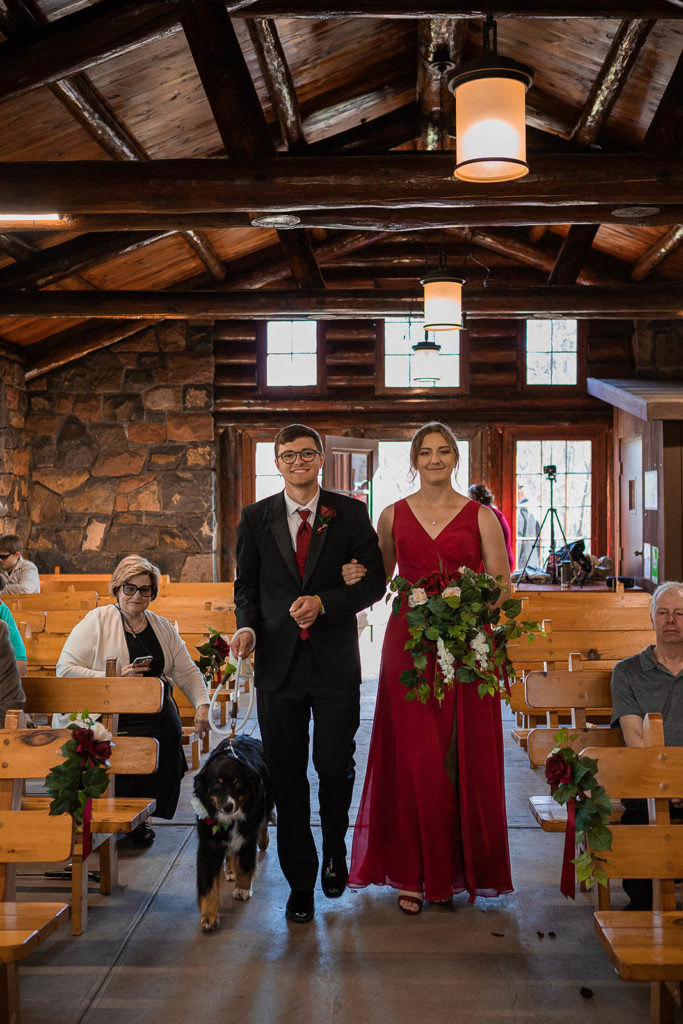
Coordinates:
524 957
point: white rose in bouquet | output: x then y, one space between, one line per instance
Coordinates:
417 596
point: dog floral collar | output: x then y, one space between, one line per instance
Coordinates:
203 815
325 517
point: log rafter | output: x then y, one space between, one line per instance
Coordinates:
618 301
440 43
237 111
279 82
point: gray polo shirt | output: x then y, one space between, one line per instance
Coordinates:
640 686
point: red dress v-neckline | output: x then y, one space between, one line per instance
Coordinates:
445 527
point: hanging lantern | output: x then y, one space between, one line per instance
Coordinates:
442 298
425 363
490 115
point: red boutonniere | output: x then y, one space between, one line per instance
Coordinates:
325 517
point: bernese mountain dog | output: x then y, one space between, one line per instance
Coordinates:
233 801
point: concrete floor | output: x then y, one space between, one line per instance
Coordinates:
143 958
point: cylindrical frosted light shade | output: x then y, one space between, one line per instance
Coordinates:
425 364
442 301
490 121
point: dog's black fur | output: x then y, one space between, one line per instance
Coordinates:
235 789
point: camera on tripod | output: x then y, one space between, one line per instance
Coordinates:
550 472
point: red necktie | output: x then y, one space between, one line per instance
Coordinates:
303 539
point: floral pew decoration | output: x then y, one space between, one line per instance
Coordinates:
213 658
573 782
454 615
83 775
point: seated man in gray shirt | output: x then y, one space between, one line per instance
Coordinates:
651 682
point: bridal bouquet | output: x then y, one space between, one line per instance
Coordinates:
454 617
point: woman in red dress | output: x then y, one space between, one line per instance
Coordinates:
432 821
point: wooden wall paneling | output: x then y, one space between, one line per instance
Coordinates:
671 500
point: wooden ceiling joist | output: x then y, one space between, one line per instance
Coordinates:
573 254
653 256
626 45
460 9
327 183
278 78
377 136
659 301
440 43
238 113
665 131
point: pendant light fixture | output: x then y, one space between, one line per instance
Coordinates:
442 298
490 116
425 363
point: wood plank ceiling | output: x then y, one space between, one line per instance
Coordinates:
164 129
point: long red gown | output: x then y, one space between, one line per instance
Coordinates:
414 830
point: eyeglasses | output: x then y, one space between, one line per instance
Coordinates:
7 554
307 455
130 590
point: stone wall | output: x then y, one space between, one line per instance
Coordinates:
14 452
658 349
123 456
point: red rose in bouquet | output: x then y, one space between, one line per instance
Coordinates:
558 772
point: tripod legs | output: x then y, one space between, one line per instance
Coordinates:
554 518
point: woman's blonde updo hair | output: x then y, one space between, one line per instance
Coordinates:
134 565
434 427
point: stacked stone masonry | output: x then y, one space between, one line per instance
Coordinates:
122 456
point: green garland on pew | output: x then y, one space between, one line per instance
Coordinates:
572 777
82 775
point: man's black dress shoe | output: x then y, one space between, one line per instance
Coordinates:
334 876
300 907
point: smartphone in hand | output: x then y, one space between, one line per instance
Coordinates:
143 662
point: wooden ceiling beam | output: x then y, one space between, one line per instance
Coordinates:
657 252
542 256
664 135
279 82
279 184
457 8
238 113
16 247
66 346
661 301
573 255
373 219
267 266
626 45
440 43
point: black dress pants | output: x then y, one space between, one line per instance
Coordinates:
284 716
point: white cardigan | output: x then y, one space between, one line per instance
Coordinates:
100 635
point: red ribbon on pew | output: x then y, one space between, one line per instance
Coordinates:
87 836
568 880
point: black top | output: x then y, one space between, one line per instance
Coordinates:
141 645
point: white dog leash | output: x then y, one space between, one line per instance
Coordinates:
232 729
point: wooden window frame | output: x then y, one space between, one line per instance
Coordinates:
381 388
546 390
318 389
601 501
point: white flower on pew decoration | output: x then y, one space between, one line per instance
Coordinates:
573 781
82 775
454 617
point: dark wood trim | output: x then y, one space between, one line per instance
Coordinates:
457 8
229 493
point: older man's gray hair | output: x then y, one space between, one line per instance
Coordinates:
662 589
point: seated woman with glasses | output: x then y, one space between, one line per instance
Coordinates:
143 644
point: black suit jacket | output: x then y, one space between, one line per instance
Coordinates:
268 581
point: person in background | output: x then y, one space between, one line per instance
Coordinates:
143 644
11 692
17 574
527 531
651 683
15 640
481 493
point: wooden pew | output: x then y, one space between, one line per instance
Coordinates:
556 648
57 583
219 594
67 601
645 945
191 615
131 755
29 622
62 622
26 837
577 696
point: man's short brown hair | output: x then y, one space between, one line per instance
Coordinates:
294 431
10 543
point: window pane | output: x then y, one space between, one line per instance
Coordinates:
397 371
551 352
571 497
264 460
400 334
291 370
291 347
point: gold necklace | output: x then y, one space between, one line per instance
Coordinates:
431 512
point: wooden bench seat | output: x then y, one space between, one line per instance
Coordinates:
25 837
82 599
645 945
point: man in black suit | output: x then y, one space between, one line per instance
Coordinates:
292 603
